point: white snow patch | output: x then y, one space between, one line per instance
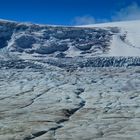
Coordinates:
131 47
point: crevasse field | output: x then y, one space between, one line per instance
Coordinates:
70 83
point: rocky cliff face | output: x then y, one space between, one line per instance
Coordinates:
65 83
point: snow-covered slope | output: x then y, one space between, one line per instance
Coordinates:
127 42
110 41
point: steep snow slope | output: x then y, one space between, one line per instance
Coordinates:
127 42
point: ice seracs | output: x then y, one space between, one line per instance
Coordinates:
110 39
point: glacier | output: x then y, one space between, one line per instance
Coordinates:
70 83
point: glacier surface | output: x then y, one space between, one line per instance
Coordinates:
69 83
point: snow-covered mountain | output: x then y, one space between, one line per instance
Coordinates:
69 83
115 43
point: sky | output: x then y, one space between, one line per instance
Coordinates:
69 12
